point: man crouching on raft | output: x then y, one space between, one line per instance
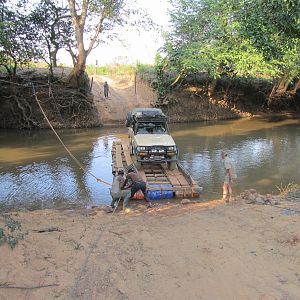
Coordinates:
136 183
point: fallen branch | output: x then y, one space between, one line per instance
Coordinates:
51 229
6 286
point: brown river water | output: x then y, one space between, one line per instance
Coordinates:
36 172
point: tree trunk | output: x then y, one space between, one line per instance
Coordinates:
54 58
15 64
296 88
283 84
78 78
73 56
212 86
279 88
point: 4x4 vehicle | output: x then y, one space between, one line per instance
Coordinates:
149 138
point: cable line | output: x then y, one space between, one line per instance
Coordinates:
60 140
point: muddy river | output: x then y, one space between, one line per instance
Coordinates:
36 172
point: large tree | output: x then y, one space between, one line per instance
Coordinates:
53 26
16 40
273 27
91 20
247 38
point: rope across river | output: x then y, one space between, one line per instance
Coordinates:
60 140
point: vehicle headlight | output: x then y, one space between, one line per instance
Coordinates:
140 149
171 148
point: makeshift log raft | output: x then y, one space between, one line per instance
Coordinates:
162 183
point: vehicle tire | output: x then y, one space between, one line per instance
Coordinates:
172 165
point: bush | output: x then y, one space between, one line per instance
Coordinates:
111 70
12 233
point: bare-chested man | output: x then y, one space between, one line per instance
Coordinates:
136 183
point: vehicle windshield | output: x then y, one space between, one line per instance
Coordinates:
150 128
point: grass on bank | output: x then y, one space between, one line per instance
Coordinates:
144 70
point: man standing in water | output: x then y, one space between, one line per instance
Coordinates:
106 89
229 176
136 183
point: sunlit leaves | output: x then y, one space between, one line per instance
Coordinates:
250 38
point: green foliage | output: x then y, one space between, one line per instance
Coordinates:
12 233
52 27
145 69
111 70
146 72
250 38
273 26
76 245
16 42
160 86
31 33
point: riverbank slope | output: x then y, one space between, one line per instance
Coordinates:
186 103
69 108
173 251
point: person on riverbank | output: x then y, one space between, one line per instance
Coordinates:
106 89
229 177
116 192
136 183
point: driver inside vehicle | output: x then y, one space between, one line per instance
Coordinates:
159 129
149 129
141 129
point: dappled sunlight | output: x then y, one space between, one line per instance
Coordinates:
170 208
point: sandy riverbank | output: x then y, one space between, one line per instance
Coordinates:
173 251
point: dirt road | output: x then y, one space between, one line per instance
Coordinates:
196 251
124 94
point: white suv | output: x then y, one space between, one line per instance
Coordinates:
149 138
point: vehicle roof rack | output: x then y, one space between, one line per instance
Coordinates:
145 115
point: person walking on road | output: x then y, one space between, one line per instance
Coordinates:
229 177
136 183
106 89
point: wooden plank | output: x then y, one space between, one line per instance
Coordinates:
180 178
157 182
157 177
119 161
172 178
128 158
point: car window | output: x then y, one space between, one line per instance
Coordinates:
141 130
159 129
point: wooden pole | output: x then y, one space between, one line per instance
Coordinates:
135 83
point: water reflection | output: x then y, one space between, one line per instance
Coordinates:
265 153
36 171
